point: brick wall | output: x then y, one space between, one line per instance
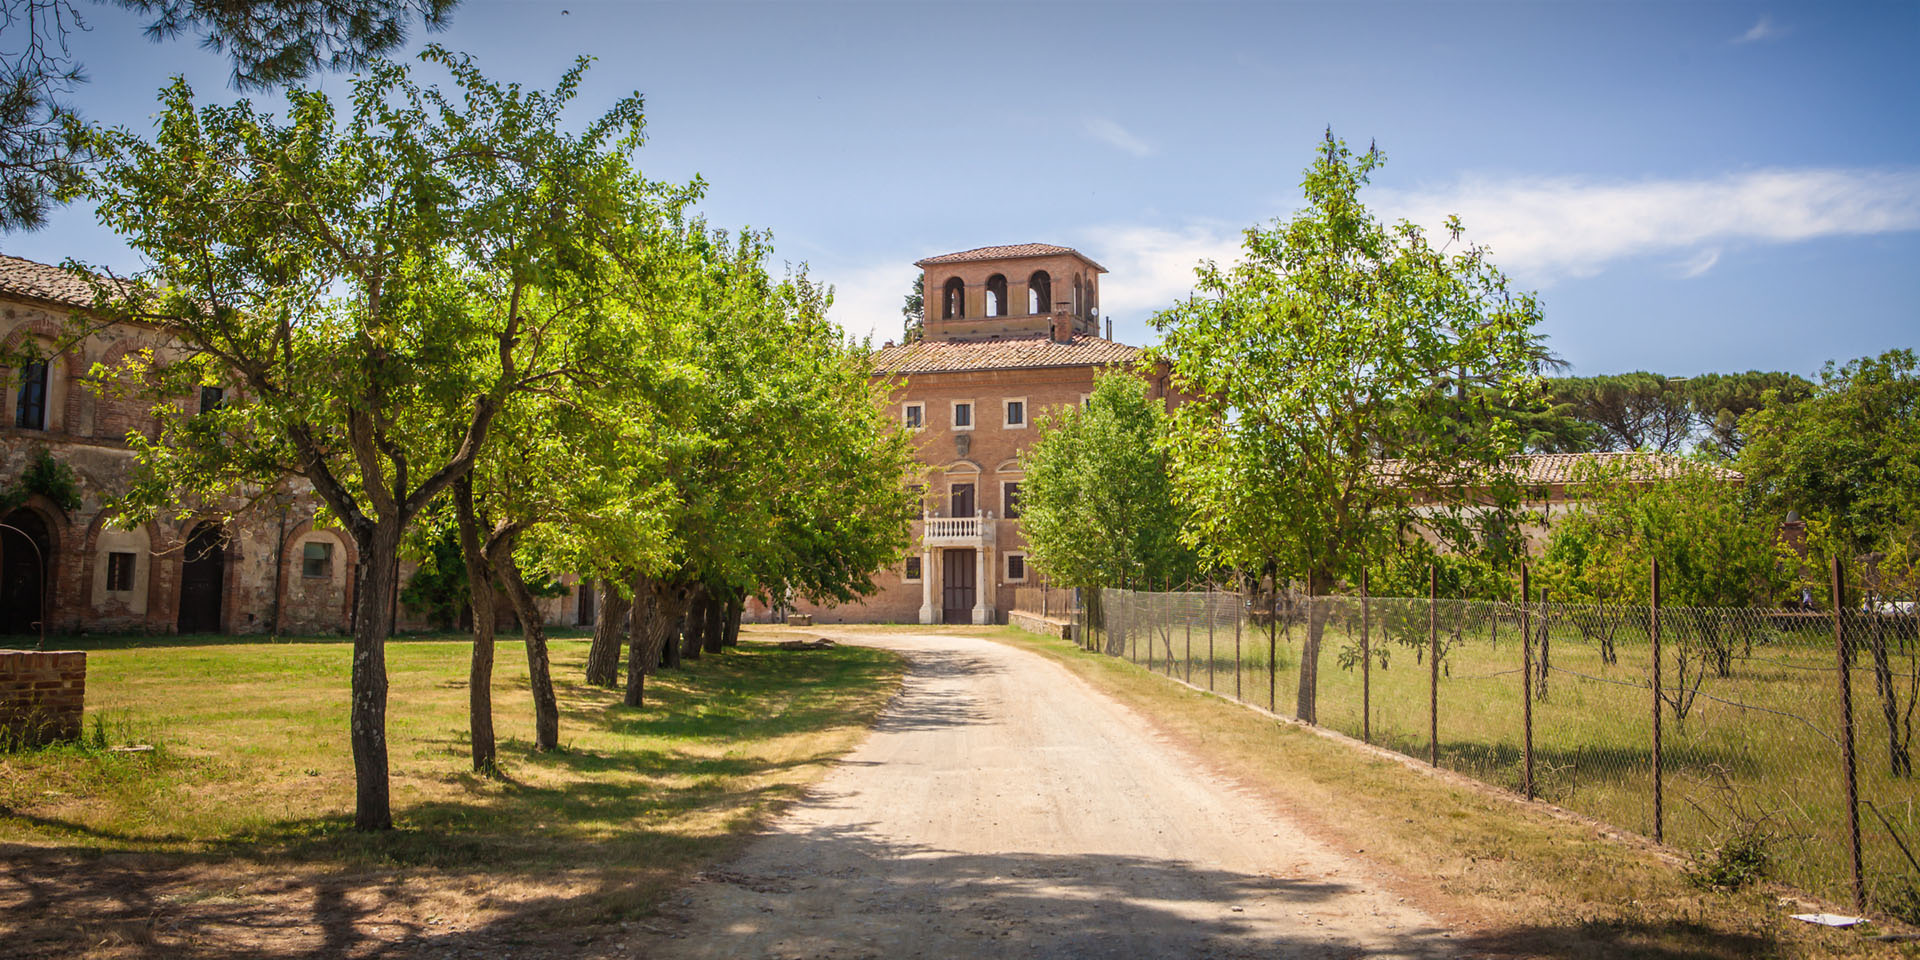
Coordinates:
42 694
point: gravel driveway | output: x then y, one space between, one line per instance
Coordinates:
1003 808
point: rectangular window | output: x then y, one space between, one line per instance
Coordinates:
960 499
1010 499
119 572
1016 413
31 412
1016 567
912 574
316 559
211 398
914 415
962 416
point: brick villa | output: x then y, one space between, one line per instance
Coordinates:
1009 332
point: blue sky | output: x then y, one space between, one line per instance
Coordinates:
1691 187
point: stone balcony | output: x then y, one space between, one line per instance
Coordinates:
974 531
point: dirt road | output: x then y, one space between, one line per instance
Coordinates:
1003 808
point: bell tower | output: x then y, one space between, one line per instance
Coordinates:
1017 291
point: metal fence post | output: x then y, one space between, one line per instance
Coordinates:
1846 743
1526 681
1653 632
1189 657
1239 614
1433 663
1209 635
1366 667
1273 615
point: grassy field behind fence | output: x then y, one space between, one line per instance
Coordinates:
1758 748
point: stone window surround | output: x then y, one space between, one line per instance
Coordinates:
973 412
1006 567
1026 413
906 570
914 405
1004 512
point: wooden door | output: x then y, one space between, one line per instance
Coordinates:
203 578
957 587
22 575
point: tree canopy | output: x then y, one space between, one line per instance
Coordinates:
1096 504
1336 337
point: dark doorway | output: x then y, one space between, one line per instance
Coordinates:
962 499
203 579
587 598
956 590
25 550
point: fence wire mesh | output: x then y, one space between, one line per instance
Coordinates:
1558 699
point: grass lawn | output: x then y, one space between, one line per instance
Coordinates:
1524 880
240 818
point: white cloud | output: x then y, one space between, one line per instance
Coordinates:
1542 229
1762 29
867 300
1699 263
1117 136
1151 267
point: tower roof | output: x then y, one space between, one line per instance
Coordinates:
1009 251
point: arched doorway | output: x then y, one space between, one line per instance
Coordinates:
203 579
26 553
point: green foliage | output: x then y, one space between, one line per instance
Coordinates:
45 476
271 42
1336 337
1096 505
438 587
1713 551
1630 411
1737 861
1720 400
1847 457
1404 573
914 310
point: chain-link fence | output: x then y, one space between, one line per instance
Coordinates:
1558 701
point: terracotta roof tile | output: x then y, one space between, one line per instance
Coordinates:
1552 468
26 278
1006 251
1021 353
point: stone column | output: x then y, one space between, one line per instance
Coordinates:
982 607
927 611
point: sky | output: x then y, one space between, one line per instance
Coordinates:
1690 187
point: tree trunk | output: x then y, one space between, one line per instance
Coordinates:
736 608
480 599
696 627
379 546
714 636
546 708
1306 698
603 658
658 606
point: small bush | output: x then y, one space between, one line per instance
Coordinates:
1736 862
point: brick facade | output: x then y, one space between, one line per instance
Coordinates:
1042 362
42 695
264 582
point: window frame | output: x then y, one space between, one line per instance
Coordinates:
1008 506
916 405
326 557
906 570
130 565
1006 566
1026 413
44 383
972 420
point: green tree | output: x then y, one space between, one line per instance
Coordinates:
1334 337
1631 411
1097 506
271 42
1720 400
1714 552
915 311
363 283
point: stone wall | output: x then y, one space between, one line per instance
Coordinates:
42 695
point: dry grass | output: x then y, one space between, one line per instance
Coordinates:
233 837
1528 881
